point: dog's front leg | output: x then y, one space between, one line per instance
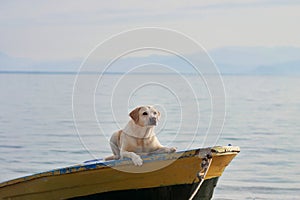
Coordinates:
164 150
136 159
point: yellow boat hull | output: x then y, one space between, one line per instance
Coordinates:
102 178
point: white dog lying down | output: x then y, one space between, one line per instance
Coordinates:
138 136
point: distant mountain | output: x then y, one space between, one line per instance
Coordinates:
257 60
9 62
229 60
286 68
58 66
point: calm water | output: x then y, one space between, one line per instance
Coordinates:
263 118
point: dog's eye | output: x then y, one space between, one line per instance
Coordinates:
155 113
145 113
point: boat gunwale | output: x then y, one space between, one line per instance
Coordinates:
101 164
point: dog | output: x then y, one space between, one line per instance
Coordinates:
138 137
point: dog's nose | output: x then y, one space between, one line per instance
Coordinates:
153 120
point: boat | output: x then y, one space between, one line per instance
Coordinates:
189 174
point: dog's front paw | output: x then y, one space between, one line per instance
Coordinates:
172 150
137 161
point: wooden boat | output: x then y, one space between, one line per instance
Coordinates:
162 176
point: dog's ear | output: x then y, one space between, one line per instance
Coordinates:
158 115
135 114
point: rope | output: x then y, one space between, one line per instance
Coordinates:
205 164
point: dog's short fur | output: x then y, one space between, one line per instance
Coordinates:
138 136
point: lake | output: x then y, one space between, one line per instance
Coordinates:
38 131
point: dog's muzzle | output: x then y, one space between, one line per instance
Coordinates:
153 121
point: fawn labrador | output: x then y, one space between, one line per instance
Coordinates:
138 137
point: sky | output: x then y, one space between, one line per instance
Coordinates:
69 29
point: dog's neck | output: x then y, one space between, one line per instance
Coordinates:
134 130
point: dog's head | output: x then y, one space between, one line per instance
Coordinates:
145 116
